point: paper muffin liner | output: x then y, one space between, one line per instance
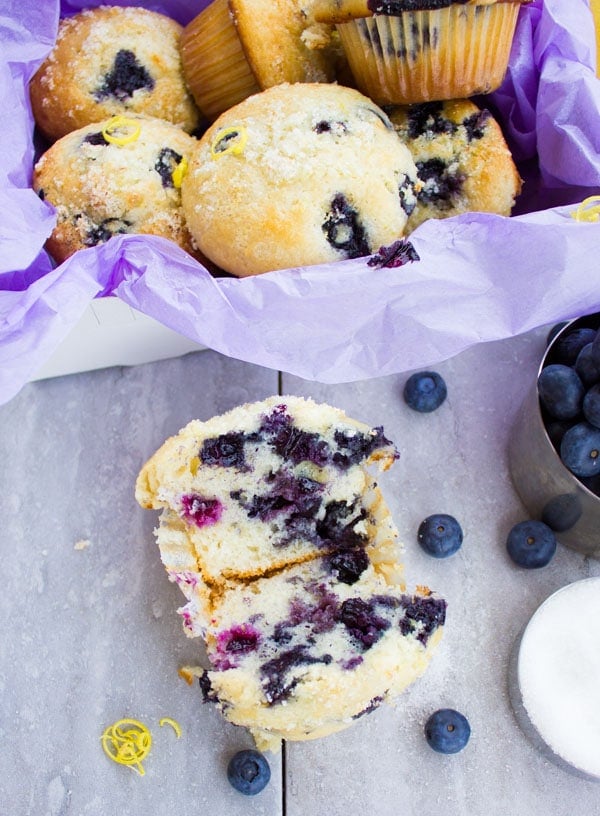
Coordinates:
419 56
214 63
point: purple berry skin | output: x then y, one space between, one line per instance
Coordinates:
560 391
580 450
248 772
531 544
447 731
566 348
591 405
425 391
440 535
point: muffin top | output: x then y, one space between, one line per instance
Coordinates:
112 60
297 175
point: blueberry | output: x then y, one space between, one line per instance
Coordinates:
591 406
424 391
441 183
586 367
531 544
248 772
200 510
447 731
344 230
440 535
554 331
126 76
562 512
580 449
566 347
476 124
596 349
560 391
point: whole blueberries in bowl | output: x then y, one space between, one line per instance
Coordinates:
554 448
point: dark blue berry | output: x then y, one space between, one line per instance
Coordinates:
248 772
447 731
361 621
167 161
348 564
441 183
558 327
566 348
126 76
591 406
586 367
560 391
531 544
422 615
562 512
440 535
580 449
226 450
344 230
424 391
596 349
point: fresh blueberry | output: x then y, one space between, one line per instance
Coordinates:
248 772
586 366
554 331
580 449
591 406
596 349
531 544
440 535
566 347
447 731
424 391
560 391
562 512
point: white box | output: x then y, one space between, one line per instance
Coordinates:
111 333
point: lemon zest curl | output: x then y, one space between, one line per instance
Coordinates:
588 210
229 140
131 128
173 723
127 742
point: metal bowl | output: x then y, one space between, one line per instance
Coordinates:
542 481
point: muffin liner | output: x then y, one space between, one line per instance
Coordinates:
480 277
214 63
448 53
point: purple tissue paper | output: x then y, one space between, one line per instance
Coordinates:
480 277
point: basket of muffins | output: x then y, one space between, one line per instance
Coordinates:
266 136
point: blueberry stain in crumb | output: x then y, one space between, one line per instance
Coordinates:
348 564
423 615
362 622
126 76
427 119
406 192
476 124
200 510
100 233
167 161
440 183
324 126
95 139
343 229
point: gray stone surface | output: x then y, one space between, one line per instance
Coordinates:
91 632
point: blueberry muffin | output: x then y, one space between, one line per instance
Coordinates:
407 51
297 175
112 60
307 651
462 159
266 485
235 48
119 176
274 528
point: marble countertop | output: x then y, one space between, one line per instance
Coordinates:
91 633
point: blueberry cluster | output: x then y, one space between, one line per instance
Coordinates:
569 393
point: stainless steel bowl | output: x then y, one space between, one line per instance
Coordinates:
539 476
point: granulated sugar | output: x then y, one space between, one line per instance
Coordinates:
559 674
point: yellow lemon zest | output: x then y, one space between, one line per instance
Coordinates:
179 172
173 723
127 742
119 123
588 210
230 144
